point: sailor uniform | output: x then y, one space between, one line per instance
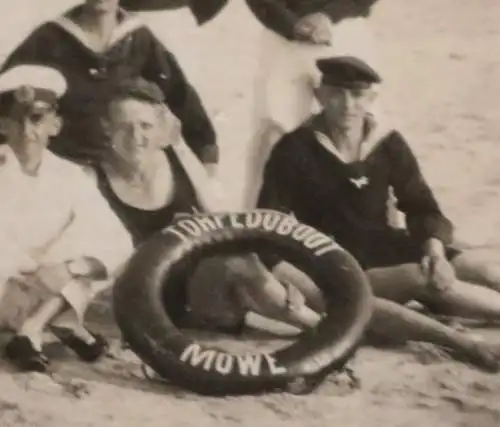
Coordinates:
305 176
56 216
133 51
287 73
53 217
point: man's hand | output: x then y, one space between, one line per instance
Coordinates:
439 272
315 28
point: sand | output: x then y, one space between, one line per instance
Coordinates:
442 72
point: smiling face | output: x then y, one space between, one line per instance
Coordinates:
134 129
345 107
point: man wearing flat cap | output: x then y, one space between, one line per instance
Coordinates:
62 242
334 173
348 72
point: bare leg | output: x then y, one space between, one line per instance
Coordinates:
270 326
222 290
34 326
288 273
395 323
68 304
52 313
265 295
66 319
474 267
404 283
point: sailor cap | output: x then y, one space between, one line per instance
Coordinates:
31 85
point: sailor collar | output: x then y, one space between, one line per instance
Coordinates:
374 134
127 24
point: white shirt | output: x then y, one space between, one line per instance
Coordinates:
55 216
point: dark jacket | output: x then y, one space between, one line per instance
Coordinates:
281 16
303 178
134 52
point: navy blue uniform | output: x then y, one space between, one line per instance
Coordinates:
349 201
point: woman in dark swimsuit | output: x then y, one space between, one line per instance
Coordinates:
147 184
141 222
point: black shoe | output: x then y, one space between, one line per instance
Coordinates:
22 354
86 352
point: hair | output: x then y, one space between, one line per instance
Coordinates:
138 89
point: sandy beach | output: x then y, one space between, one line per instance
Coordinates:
442 79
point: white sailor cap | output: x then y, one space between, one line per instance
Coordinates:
32 86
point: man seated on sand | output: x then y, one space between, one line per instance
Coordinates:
61 240
334 172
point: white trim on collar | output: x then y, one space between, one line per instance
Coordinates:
129 24
328 144
373 140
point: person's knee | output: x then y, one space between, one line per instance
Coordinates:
291 275
401 283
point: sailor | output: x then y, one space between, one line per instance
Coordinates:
62 241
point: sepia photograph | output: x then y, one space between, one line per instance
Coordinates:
241 213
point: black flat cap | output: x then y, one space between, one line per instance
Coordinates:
347 71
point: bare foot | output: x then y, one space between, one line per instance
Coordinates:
485 356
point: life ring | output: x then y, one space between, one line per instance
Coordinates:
157 272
